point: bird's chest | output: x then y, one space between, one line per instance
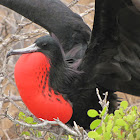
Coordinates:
32 80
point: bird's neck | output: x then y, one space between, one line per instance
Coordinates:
61 76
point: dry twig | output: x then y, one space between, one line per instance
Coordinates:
72 3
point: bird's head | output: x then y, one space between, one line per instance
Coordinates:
45 44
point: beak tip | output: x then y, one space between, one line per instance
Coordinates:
9 53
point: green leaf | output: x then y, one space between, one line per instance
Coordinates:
106 118
34 123
21 115
99 130
107 136
95 123
109 126
121 111
134 108
117 112
92 113
120 122
111 115
138 134
93 134
39 134
26 133
70 138
129 118
29 120
103 111
115 129
127 127
124 104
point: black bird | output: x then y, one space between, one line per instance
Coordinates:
111 61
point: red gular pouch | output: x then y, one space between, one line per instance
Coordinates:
32 80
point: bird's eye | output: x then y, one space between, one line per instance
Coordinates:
44 44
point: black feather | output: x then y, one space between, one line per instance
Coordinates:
111 61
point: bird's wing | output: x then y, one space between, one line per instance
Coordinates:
73 57
112 60
56 17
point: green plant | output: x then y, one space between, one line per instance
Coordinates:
29 120
124 124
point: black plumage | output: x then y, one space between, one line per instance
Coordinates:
111 61
113 53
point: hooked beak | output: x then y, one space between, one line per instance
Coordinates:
30 49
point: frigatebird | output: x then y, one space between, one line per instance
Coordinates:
110 61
